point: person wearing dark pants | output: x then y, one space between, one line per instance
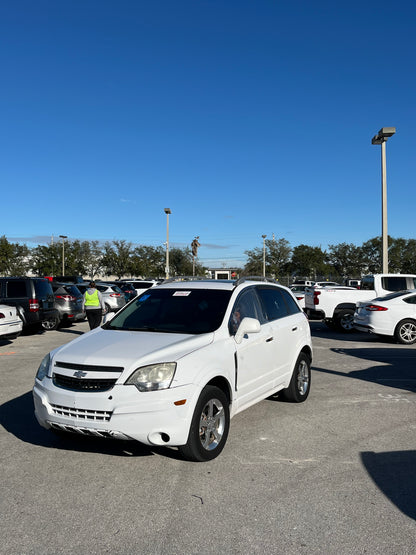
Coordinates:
93 306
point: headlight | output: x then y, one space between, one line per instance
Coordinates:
153 377
43 368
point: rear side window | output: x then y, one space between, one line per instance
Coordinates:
16 289
273 303
394 283
410 300
367 283
292 306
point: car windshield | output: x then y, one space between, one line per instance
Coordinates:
192 311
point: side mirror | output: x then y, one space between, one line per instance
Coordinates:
248 325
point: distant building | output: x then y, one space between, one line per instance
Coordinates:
223 273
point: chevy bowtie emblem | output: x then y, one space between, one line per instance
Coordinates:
80 374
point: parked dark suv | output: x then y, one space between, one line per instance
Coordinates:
33 298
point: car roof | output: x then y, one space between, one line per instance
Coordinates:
223 284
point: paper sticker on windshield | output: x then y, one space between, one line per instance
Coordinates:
144 297
181 293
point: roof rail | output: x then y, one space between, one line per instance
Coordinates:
186 278
254 278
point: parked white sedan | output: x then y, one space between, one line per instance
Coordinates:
393 315
10 322
177 363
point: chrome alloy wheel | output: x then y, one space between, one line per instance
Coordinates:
303 377
212 424
347 322
407 332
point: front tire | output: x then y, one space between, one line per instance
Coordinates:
405 332
300 384
209 427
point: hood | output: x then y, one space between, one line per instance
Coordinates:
129 348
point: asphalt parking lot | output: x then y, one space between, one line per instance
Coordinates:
333 475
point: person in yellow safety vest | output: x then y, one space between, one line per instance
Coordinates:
93 305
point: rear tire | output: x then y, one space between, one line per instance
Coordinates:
209 427
51 323
300 384
345 320
405 332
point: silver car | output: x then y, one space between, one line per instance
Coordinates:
113 296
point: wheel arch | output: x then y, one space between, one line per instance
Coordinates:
402 321
307 351
222 383
344 306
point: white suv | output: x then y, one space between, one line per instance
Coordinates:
175 364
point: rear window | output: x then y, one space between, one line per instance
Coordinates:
391 296
73 290
143 284
116 289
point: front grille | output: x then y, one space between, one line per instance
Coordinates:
82 414
82 384
88 367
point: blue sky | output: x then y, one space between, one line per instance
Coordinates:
244 117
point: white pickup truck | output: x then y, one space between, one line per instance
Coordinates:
336 305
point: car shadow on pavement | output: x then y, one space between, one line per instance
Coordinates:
393 472
319 329
396 367
18 418
5 342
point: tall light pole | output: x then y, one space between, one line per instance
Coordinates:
167 212
63 237
380 139
264 255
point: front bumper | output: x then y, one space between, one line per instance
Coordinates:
122 413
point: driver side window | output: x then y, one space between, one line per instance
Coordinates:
244 307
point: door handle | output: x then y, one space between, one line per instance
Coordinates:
269 339
295 328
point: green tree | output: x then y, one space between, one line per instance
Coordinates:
409 257
147 261
254 264
46 260
276 255
92 254
371 256
308 262
346 259
117 258
181 263
14 258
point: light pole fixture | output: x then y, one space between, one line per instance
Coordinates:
380 139
264 255
167 212
63 237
